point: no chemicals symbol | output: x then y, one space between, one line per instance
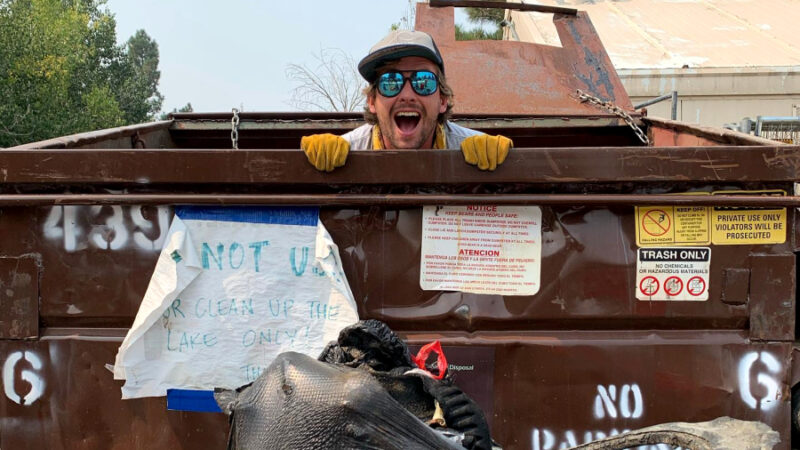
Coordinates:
673 286
696 286
655 222
648 286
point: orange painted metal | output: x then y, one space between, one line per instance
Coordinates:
525 78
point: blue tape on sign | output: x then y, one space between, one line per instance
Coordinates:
191 400
278 215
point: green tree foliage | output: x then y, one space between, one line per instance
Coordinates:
101 110
487 16
183 109
488 21
62 72
138 79
477 34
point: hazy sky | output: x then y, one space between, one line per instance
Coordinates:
219 55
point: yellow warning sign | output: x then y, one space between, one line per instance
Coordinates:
737 226
657 223
748 226
659 226
672 225
691 225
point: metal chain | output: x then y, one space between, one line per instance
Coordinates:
616 110
235 129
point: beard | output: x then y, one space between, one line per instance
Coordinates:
391 131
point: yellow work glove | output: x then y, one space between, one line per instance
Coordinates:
325 151
486 152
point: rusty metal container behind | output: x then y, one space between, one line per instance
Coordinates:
84 217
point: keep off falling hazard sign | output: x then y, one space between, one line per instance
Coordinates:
672 273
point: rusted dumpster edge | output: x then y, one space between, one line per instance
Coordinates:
721 135
398 199
92 137
560 165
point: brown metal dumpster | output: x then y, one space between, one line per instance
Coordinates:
594 352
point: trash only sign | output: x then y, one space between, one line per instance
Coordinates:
673 273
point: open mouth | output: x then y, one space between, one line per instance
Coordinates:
407 121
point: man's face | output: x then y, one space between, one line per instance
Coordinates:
408 120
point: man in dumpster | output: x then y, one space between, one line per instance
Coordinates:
408 104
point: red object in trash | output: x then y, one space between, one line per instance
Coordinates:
423 354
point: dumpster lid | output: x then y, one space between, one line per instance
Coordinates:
511 77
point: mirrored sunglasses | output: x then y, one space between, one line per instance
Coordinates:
423 82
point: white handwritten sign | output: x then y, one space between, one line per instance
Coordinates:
232 289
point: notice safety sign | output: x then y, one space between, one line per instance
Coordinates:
483 249
673 273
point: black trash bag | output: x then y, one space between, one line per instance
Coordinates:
461 413
368 343
373 346
362 393
299 403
